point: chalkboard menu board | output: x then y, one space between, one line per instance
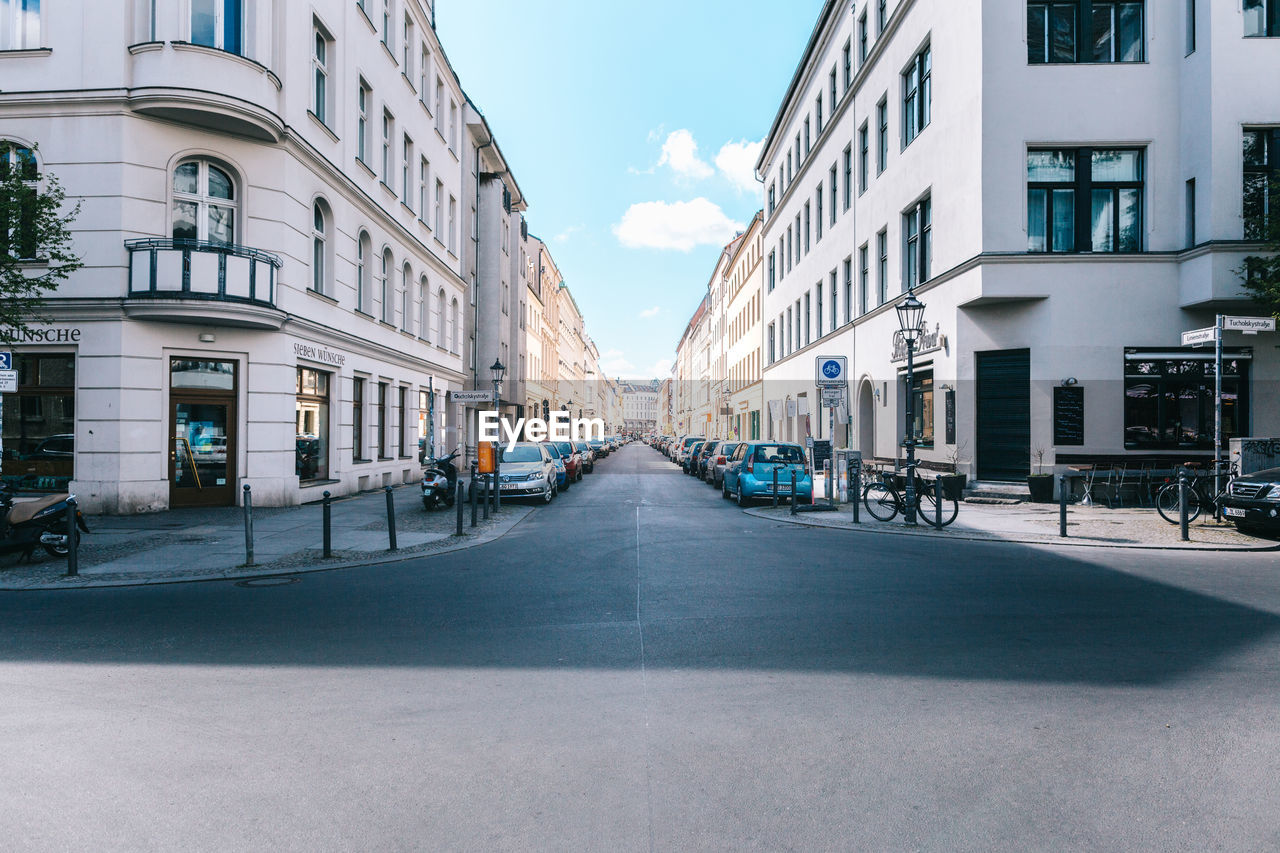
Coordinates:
949 402
821 453
1068 415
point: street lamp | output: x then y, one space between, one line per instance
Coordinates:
910 322
498 370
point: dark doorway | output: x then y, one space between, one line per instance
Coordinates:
1004 414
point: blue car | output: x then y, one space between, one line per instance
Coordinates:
562 475
748 473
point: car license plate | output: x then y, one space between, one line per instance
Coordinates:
510 486
782 489
1233 512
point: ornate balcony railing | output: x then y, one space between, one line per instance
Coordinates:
199 269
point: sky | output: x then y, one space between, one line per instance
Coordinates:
633 130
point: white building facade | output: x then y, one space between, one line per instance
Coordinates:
1065 205
271 227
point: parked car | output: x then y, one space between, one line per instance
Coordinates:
1253 502
527 470
588 456
562 473
700 464
572 460
598 447
689 461
682 448
749 472
717 463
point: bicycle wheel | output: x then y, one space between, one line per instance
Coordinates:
929 509
1167 503
881 501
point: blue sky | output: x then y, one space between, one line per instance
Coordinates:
630 129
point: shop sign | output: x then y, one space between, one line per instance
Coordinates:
927 342
321 354
37 335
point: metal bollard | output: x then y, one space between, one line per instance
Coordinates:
475 494
855 484
326 518
775 487
487 497
794 496
937 503
73 540
391 518
1182 505
248 526
497 471
459 501
1062 505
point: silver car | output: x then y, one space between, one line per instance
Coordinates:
527 470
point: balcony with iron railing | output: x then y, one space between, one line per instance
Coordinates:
203 282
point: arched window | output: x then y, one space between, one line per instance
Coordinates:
321 260
364 256
388 309
204 203
441 340
18 225
453 326
406 275
424 308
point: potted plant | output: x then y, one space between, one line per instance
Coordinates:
953 484
1040 484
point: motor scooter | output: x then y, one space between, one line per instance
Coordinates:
439 482
41 522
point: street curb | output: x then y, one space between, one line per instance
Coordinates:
64 583
969 537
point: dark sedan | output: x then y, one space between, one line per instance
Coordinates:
1253 502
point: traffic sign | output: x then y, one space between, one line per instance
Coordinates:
6 361
833 396
832 370
1198 336
1249 325
8 381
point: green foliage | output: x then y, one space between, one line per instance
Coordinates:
35 241
1261 273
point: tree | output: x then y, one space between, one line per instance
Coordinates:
1261 273
35 242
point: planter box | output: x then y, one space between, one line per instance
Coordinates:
1041 486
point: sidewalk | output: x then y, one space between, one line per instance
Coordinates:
206 544
1027 523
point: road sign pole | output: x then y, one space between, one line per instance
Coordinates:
1217 412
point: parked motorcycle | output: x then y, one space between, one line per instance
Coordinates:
41 522
439 482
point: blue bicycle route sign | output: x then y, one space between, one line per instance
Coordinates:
832 369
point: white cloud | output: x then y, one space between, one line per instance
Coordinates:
651 312
660 369
564 235
614 363
681 225
737 162
680 152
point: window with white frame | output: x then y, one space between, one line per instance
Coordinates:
20 24
917 90
1262 18
218 24
321 224
439 217
424 307
917 236
321 51
424 175
364 97
453 125
18 237
406 275
439 112
406 47
424 76
386 26
406 175
204 203
364 257
453 214
385 284
882 116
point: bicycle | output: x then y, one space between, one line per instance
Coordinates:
1201 493
884 502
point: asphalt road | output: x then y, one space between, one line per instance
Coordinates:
640 666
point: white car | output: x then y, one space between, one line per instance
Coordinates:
527 470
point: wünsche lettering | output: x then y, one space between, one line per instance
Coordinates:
562 427
319 354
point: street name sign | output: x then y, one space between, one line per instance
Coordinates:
832 370
471 396
1198 336
8 381
1249 325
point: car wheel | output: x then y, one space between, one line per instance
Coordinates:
548 493
567 482
743 500
724 491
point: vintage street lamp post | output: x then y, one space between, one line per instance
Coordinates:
498 369
910 322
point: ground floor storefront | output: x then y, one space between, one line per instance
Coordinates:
135 416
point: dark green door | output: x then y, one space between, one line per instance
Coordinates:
1004 414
